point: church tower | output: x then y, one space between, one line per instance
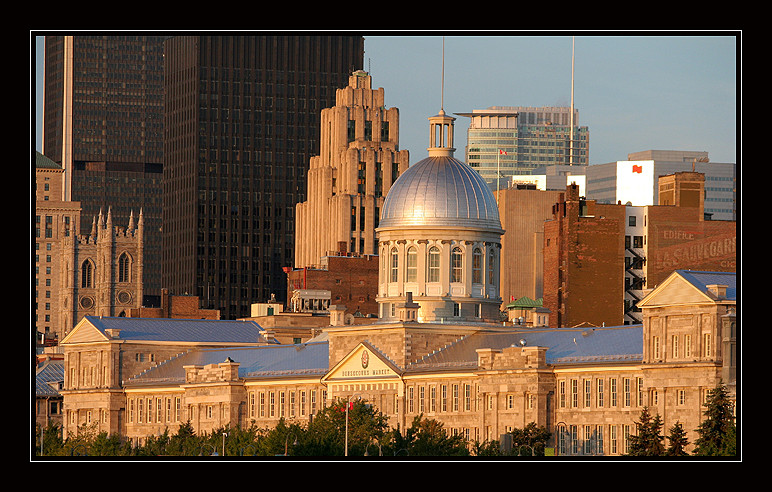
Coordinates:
102 271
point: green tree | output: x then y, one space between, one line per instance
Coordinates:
677 441
52 440
326 433
530 440
427 437
717 433
184 442
648 441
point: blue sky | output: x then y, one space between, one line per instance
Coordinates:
635 91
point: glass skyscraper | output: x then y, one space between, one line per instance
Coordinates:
508 141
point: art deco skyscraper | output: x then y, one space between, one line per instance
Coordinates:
242 122
359 159
103 124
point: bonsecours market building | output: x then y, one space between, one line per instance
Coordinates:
438 347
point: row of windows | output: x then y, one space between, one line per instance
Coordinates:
433 265
159 409
284 404
595 439
681 346
576 393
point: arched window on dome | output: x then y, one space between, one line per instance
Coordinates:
433 265
456 263
477 266
411 265
492 268
394 265
87 274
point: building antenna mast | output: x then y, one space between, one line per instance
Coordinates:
571 131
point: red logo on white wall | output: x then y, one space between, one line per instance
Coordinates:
637 169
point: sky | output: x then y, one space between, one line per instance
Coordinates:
634 91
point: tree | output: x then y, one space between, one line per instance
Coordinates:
717 433
678 441
648 441
326 433
530 440
426 437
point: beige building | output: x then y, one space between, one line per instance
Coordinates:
481 378
99 273
359 159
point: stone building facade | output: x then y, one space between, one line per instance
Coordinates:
359 159
481 378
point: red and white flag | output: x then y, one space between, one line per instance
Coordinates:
502 152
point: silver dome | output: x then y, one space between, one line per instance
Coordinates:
440 191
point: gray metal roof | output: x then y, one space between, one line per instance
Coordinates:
181 330
440 191
269 361
48 373
701 280
564 346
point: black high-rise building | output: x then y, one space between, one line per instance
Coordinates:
103 123
242 121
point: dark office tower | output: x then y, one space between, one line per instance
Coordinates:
242 122
103 123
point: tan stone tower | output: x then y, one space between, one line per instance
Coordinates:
101 272
358 162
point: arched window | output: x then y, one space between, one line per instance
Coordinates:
477 266
411 265
394 265
491 268
433 265
123 267
456 261
87 274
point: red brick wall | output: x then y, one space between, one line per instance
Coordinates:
352 282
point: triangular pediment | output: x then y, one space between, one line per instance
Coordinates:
84 332
363 363
675 290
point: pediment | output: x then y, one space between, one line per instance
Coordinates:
84 332
675 290
363 363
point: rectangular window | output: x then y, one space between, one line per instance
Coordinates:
455 398
612 439
707 347
599 392
444 398
410 408
599 439
627 389
587 393
421 399
674 346
302 403
612 392
687 345
574 393
433 399
467 397
562 394
177 408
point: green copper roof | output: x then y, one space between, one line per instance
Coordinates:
525 302
43 162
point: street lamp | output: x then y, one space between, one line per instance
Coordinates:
224 435
286 443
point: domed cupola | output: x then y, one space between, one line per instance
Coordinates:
440 239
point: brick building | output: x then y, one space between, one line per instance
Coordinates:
350 280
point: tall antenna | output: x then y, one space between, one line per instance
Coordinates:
442 89
571 131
